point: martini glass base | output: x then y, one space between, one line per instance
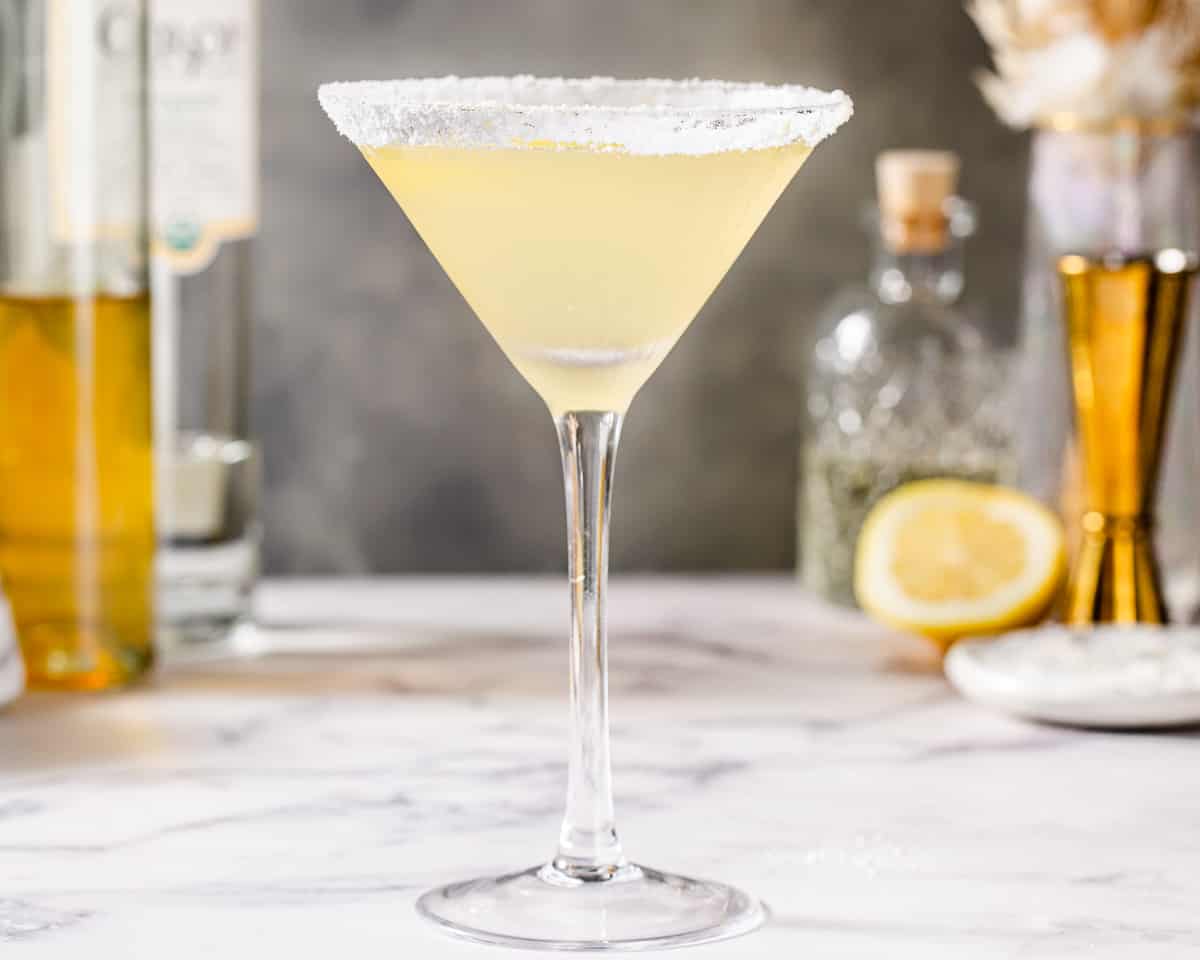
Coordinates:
635 909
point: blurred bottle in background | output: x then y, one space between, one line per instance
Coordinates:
205 204
77 530
901 385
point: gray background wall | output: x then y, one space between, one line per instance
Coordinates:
397 437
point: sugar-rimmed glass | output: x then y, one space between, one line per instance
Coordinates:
586 222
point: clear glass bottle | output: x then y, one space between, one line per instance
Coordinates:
206 188
900 384
77 528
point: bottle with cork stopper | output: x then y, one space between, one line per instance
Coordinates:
900 384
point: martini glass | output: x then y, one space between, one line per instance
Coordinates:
586 222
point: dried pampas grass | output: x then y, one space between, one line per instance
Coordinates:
1091 60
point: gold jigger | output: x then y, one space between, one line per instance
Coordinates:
1125 319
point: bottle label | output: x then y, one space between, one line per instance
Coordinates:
95 130
204 113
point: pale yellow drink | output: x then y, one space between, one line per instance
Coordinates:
586 265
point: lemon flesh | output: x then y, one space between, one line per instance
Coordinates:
949 558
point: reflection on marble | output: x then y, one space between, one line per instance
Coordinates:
405 733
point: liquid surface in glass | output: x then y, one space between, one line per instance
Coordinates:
585 265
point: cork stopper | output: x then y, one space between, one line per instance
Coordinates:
913 187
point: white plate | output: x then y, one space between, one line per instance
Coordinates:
1104 676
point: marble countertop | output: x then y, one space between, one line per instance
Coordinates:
401 733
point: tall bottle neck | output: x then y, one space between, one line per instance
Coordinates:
922 265
899 277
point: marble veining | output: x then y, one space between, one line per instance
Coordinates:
398 734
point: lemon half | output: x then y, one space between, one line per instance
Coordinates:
949 558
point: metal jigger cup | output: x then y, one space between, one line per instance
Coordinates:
1125 320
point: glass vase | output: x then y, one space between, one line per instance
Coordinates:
1129 187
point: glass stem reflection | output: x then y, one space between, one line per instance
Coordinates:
588 847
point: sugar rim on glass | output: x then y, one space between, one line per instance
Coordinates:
647 117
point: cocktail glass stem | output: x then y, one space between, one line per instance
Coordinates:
589 897
588 848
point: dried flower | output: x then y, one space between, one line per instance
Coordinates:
1119 19
1093 60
